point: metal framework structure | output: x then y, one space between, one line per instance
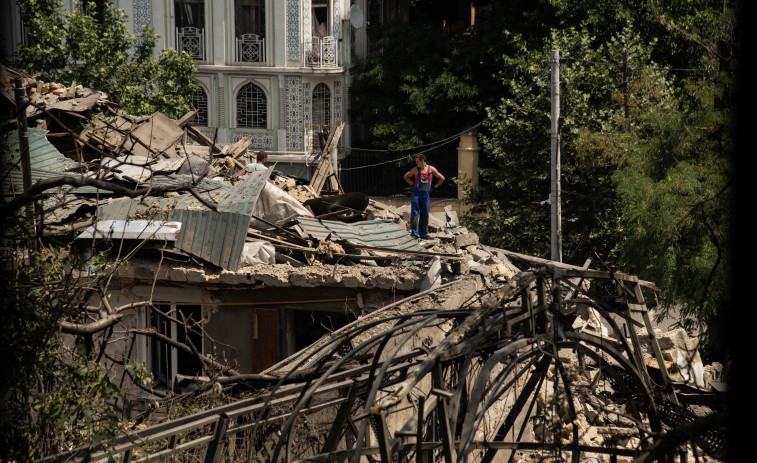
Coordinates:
498 377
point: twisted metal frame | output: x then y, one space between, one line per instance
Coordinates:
415 385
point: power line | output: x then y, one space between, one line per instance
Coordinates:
605 63
442 142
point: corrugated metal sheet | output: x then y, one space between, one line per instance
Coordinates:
147 208
218 237
380 233
59 208
176 180
46 162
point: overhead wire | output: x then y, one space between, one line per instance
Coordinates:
653 68
439 143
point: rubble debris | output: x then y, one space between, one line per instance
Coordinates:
533 387
486 360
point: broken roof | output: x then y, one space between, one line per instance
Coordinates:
207 189
46 162
219 236
380 233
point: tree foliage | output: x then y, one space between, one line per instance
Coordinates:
92 46
645 133
55 394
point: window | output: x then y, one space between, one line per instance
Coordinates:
321 107
164 360
320 19
249 17
190 27
199 101
321 115
190 13
252 111
249 30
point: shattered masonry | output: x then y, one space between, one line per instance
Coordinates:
452 351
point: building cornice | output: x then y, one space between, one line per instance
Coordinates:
265 70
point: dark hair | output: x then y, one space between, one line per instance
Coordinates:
422 157
262 156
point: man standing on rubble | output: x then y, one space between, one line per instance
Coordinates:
261 158
421 178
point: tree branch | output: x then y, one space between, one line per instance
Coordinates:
37 188
89 328
205 360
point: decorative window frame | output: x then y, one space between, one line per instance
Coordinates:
208 37
206 82
266 84
232 39
330 87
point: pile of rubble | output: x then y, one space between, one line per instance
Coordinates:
601 420
104 152
161 184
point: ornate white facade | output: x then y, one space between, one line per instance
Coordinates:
258 61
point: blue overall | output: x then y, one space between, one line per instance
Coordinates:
420 202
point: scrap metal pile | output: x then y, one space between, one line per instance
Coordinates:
550 366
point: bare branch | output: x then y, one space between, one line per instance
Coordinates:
205 360
89 328
35 190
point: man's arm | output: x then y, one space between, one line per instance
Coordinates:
436 173
408 176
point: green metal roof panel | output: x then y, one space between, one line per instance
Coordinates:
46 162
146 208
218 237
380 233
243 196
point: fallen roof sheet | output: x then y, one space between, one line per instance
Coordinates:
179 180
133 230
379 233
139 169
147 207
219 237
46 160
157 135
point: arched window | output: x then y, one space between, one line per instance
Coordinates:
252 111
321 107
199 101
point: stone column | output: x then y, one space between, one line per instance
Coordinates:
467 160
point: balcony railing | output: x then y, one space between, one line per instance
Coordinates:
322 53
250 49
192 41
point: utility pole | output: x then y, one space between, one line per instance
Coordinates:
554 194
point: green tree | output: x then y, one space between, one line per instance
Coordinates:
646 145
604 87
91 45
55 394
645 133
676 184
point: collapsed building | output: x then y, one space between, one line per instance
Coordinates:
358 341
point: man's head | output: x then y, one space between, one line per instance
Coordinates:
420 160
262 157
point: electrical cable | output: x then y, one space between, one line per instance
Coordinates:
443 141
605 63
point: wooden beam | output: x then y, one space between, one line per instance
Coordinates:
201 138
184 120
325 170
